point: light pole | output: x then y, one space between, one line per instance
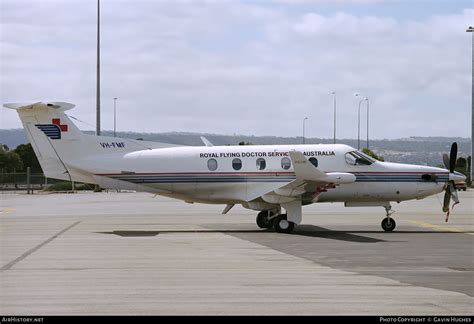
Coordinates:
334 93
97 129
97 94
115 115
367 99
471 30
358 121
303 127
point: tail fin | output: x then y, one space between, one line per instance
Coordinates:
59 144
44 124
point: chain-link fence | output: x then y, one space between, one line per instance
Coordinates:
21 182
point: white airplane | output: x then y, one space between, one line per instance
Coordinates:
265 178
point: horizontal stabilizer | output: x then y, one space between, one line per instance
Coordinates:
59 106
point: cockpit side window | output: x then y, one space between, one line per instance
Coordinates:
350 158
365 156
358 158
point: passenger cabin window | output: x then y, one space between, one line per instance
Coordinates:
358 158
212 164
237 164
285 163
314 161
261 164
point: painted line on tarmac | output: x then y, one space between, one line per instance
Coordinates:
6 211
440 228
36 248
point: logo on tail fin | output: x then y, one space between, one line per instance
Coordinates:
54 130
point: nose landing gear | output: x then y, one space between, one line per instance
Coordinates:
388 224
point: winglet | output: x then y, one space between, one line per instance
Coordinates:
206 141
305 170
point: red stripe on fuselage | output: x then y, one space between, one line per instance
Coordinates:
284 173
165 173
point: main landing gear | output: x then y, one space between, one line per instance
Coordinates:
268 219
282 225
265 219
388 223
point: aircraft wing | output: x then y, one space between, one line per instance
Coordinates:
308 179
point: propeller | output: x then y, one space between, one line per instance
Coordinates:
450 191
450 162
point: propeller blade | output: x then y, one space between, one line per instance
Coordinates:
453 157
446 160
454 192
447 198
450 192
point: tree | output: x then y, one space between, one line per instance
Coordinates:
468 168
461 163
245 143
371 153
9 160
28 157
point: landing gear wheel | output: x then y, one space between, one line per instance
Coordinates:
388 224
281 225
263 220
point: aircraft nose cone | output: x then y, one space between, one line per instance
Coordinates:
457 177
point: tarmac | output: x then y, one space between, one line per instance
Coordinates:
135 254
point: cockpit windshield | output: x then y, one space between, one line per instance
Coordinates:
358 158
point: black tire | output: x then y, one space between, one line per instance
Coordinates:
281 225
263 221
388 227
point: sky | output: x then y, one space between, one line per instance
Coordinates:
245 67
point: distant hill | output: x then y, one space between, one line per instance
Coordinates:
416 150
13 137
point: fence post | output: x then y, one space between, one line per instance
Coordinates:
28 180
